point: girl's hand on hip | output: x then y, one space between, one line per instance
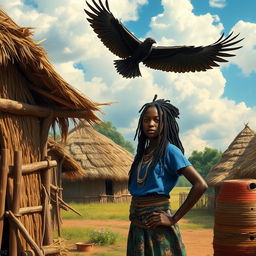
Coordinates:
159 219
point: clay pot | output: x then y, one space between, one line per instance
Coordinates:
84 247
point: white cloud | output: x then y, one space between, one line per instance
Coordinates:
206 119
246 56
217 3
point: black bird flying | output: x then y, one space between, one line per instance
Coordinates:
180 59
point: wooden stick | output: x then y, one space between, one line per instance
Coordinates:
46 180
3 187
33 167
20 108
57 201
32 209
17 176
46 249
56 188
69 207
25 234
59 175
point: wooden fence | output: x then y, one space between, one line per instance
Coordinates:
100 199
205 202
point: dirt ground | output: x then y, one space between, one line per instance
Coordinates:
197 242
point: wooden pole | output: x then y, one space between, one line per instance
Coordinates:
25 233
33 167
31 209
48 250
3 187
20 108
46 181
57 207
17 176
69 207
59 175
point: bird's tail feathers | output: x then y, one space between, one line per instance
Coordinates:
127 68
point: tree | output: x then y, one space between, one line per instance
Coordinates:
106 128
203 161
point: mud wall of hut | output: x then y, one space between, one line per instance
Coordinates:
90 191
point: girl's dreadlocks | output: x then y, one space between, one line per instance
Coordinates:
169 134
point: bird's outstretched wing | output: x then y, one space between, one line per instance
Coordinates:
183 59
114 35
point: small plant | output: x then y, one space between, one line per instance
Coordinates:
102 237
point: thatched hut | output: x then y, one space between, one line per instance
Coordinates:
105 164
237 161
33 97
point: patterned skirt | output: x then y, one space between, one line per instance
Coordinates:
162 241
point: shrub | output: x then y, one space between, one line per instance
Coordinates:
102 237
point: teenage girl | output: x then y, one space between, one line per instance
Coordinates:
155 171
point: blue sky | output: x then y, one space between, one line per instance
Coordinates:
214 105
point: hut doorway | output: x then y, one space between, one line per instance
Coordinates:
109 187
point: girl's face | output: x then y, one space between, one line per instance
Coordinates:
150 122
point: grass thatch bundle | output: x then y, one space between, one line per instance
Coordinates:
246 167
98 155
227 167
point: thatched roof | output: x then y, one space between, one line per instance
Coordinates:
17 48
98 155
232 158
70 166
246 167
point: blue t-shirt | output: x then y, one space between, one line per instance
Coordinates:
163 178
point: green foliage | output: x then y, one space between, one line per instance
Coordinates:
110 131
102 237
204 161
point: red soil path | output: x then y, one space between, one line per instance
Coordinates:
197 242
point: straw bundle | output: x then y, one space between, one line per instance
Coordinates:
98 155
231 158
70 166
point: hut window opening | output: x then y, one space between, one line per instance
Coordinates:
109 187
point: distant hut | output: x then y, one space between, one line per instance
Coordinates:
33 97
246 167
106 166
234 159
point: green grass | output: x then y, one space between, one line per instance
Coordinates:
76 234
98 211
117 211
